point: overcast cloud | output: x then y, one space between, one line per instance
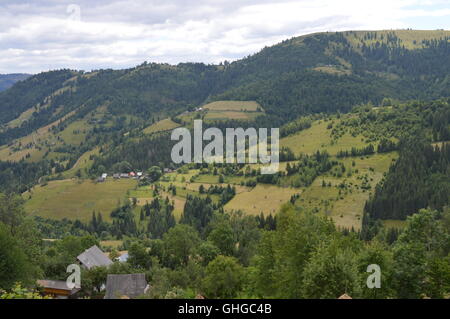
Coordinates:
86 34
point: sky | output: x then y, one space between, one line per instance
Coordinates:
44 35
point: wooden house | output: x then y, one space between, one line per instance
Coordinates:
57 289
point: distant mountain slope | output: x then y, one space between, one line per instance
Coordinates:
8 80
334 71
322 72
60 115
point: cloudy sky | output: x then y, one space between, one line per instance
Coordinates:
41 35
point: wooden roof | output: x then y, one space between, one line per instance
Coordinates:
128 285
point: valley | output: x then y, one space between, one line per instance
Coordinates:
364 173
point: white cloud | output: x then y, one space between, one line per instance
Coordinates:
122 33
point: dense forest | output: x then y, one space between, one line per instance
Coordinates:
233 255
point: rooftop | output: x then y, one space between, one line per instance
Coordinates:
94 257
129 285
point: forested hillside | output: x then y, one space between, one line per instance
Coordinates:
364 174
351 67
58 116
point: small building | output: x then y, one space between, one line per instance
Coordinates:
57 289
139 174
116 176
104 175
100 179
125 286
167 170
124 175
94 257
132 174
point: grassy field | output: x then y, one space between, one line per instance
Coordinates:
411 39
281 167
231 115
392 223
74 199
332 70
161 126
265 199
75 133
318 137
22 118
235 110
239 106
111 243
35 144
344 200
84 162
41 141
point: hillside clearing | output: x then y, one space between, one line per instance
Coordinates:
161 126
265 199
239 106
73 199
344 199
318 138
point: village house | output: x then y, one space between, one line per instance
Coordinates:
93 257
124 175
126 286
57 289
116 176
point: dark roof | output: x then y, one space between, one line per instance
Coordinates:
55 284
129 285
94 257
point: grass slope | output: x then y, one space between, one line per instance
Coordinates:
318 137
72 199
240 106
161 126
265 199
344 200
